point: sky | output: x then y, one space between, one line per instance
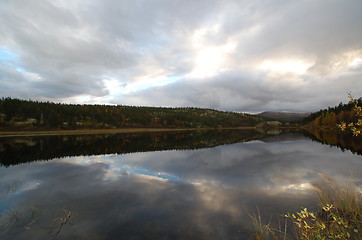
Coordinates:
233 55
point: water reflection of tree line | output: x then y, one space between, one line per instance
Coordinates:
18 150
344 141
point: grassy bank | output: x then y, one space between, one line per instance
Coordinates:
106 131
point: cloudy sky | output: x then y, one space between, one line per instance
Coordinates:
237 55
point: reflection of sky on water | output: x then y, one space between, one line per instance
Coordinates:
282 165
150 173
201 194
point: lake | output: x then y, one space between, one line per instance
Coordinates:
172 185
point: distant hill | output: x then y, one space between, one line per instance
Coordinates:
284 116
17 114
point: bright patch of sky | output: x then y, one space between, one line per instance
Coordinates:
285 66
146 172
6 55
355 64
10 59
143 84
209 59
118 167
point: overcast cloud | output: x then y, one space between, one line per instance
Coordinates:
248 56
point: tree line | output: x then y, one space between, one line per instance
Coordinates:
330 117
28 114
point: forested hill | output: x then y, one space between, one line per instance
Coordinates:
284 116
330 117
26 114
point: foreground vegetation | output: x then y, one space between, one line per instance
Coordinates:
339 217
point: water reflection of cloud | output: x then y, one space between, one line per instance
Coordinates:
159 175
89 159
131 195
132 204
293 187
273 165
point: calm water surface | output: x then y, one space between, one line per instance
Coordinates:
190 185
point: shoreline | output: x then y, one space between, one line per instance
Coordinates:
4 133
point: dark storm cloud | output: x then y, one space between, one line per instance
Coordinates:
309 27
240 91
67 50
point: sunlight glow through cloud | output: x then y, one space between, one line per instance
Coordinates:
356 62
149 83
210 59
284 66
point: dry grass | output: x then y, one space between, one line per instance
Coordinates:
346 198
339 216
104 131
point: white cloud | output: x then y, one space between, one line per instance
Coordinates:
285 66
